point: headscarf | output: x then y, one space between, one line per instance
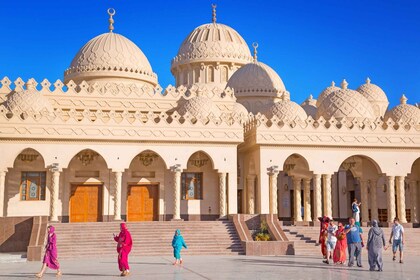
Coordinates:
123 226
177 232
375 227
51 229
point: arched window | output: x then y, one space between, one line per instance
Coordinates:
196 75
224 74
210 77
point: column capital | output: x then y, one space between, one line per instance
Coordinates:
296 179
273 170
306 180
176 168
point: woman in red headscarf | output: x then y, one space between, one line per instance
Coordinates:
341 245
50 257
123 248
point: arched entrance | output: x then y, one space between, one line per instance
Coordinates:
88 181
296 197
412 196
358 177
145 181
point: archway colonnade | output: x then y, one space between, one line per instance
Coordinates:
191 182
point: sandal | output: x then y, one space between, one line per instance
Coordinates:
38 275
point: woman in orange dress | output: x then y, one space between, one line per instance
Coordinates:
339 256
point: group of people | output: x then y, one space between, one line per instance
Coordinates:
335 240
124 245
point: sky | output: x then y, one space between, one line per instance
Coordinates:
308 43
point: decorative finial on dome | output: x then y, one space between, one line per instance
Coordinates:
310 97
333 84
111 12
255 46
344 84
214 12
403 99
367 80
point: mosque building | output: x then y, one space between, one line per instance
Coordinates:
109 143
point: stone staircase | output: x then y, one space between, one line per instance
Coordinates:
84 240
306 240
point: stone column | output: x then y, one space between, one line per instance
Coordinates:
307 200
326 179
373 200
391 198
117 195
365 203
401 199
317 197
222 194
54 195
2 191
297 199
177 192
250 185
413 192
273 173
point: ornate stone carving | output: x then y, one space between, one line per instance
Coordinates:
147 158
404 113
286 110
376 96
222 194
54 196
87 156
327 91
200 107
117 195
391 198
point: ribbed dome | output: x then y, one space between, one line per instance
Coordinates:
376 96
199 107
213 42
309 105
286 110
345 103
239 110
110 55
256 79
404 112
327 91
28 100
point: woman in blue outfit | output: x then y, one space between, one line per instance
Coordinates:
177 243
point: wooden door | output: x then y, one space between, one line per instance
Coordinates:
86 203
142 203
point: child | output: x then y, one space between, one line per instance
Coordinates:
177 243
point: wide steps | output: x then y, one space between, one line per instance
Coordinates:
84 240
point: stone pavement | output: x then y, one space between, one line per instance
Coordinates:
216 267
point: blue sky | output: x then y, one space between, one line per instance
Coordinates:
308 43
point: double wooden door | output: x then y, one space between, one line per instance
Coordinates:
86 203
142 203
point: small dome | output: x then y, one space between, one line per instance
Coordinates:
200 107
213 42
286 110
404 112
110 55
256 79
327 91
239 110
376 96
345 103
309 105
27 100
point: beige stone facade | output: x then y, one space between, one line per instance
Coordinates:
227 139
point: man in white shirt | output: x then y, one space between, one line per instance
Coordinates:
331 241
397 239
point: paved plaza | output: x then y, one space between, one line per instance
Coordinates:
216 267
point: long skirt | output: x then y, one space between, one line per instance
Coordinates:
123 261
340 251
50 259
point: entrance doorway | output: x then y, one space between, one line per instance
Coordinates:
142 203
86 203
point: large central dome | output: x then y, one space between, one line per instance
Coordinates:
213 42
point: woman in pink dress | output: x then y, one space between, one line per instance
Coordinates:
50 257
341 246
123 248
